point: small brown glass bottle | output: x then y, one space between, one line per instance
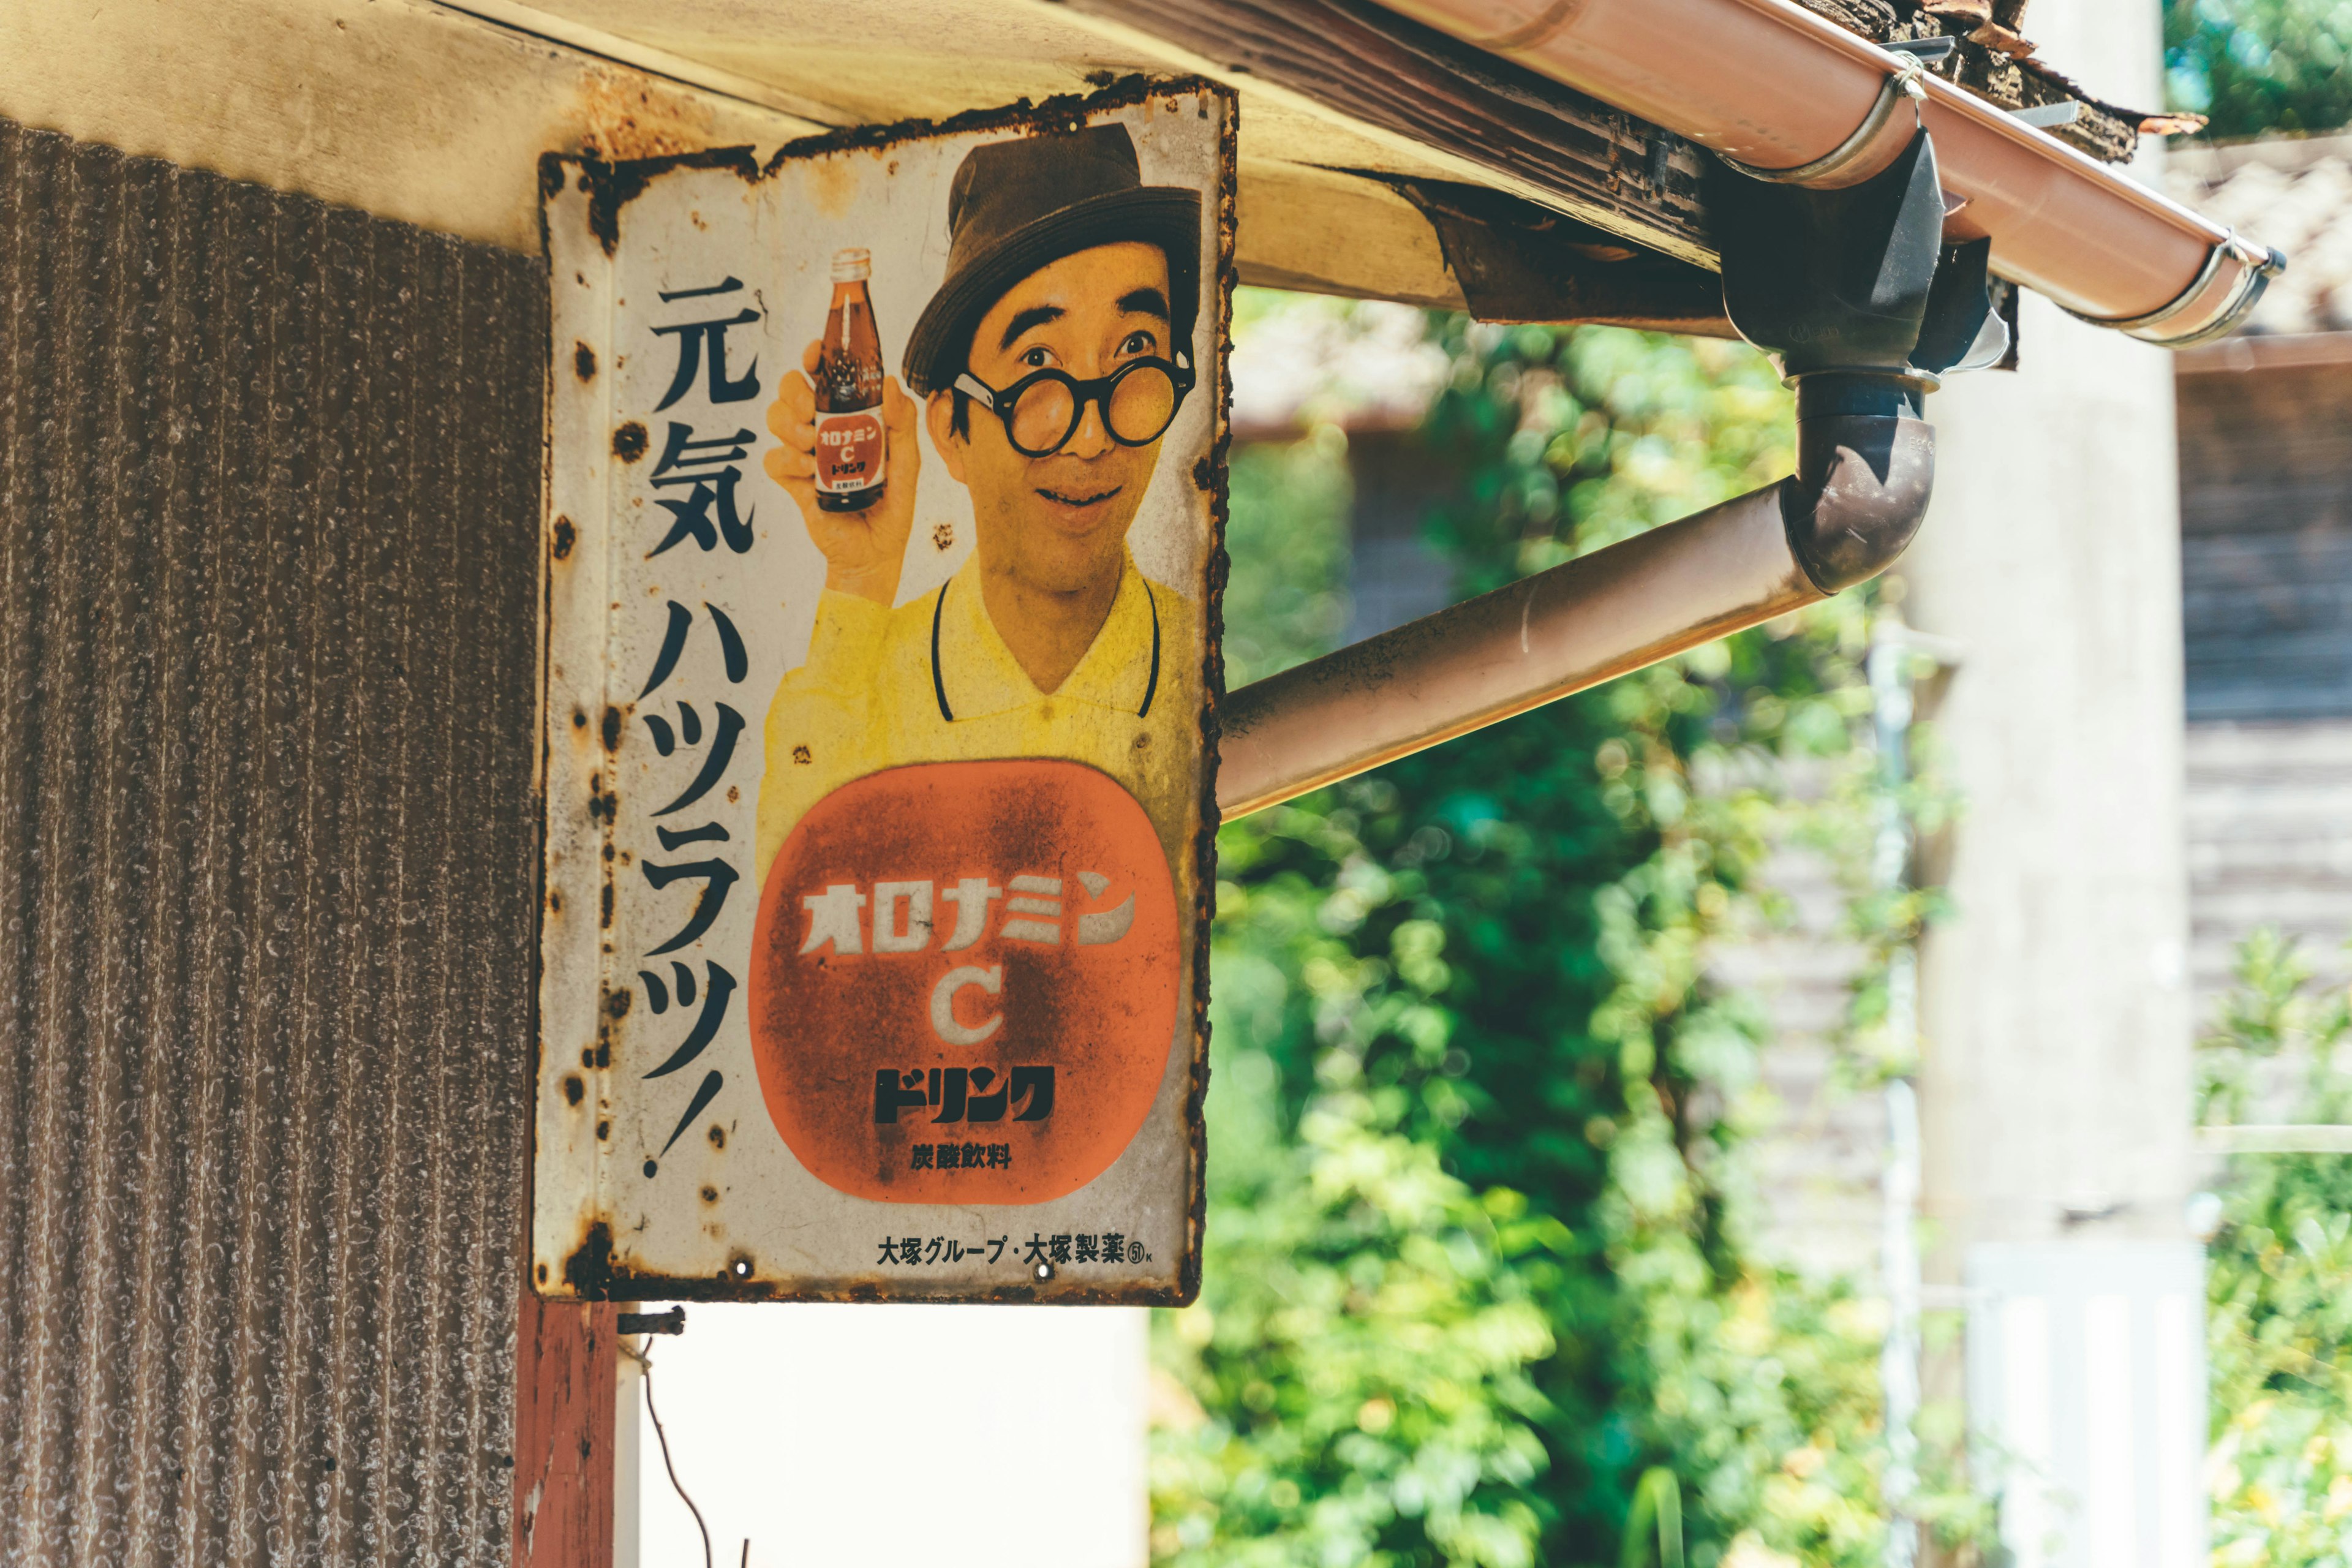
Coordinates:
851 446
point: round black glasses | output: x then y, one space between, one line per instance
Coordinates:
1042 410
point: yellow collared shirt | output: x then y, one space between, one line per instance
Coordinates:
931 681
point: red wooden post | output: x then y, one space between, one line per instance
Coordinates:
565 1412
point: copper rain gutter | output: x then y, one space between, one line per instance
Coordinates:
1790 100
1777 88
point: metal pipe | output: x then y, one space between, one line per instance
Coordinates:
1891 650
1861 486
1771 85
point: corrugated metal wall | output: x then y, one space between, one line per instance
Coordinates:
267 870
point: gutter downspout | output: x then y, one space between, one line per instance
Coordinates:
1868 309
1856 499
1776 87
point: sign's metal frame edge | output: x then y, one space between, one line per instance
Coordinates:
576 891
572 1244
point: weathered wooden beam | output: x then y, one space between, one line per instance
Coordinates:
1515 261
1594 162
565 1413
1461 246
1539 140
1325 233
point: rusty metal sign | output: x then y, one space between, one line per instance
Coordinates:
886 483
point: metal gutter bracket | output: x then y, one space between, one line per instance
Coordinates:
1903 82
1867 308
1795 96
2257 264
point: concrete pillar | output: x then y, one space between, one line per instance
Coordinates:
2054 1003
2056 1080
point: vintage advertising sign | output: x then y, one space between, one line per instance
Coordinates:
886 483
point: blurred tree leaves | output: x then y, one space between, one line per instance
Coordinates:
1480 1246
2279 1285
2257 66
1290 505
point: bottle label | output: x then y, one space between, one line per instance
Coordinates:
849 451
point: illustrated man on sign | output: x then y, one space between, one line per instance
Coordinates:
1050 364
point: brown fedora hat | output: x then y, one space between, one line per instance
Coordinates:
1015 206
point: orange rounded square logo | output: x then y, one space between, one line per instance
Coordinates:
964 982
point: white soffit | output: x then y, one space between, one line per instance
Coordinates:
827 61
933 59
435 112
401 108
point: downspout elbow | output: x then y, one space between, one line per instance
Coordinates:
1866 467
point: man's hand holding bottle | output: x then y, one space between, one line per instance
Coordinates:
865 550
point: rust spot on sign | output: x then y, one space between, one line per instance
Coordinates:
627 117
589 1270
565 536
833 186
583 362
1063 112
611 729
574 1089
612 185
629 442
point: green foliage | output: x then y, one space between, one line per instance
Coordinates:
1658 1502
1370 1374
2272 1012
2256 65
1289 505
2279 1288
1479 1250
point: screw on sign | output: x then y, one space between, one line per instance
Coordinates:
983 951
